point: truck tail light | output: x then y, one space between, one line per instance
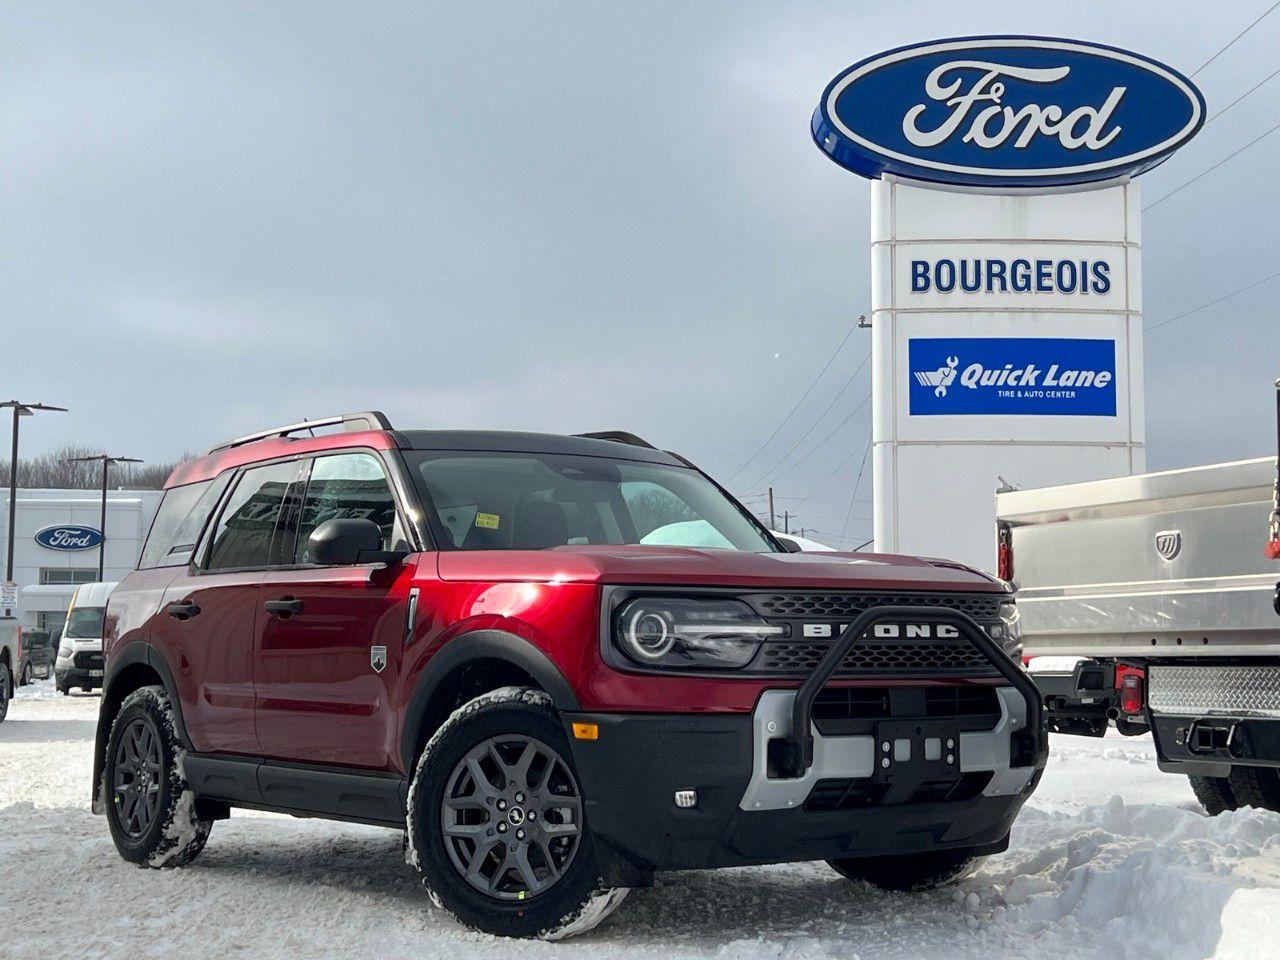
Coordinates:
1272 550
1004 552
19 667
1131 684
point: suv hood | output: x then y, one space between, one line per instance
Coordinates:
691 566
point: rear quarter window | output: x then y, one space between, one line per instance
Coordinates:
181 516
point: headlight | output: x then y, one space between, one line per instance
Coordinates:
64 649
1008 632
685 632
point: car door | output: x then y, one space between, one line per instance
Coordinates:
207 616
330 639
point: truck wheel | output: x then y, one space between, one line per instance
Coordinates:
1256 787
1214 794
915 871
26 675
150 807
6 689
497 823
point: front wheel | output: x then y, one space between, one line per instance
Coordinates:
26 674
497 822
151 810
915 871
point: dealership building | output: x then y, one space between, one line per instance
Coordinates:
56 543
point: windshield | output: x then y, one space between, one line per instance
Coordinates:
85 623
533 501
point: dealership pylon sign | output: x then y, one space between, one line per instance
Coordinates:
1006 290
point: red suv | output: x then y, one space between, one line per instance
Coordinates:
560 664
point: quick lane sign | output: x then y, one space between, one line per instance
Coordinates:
1006 111
1005 376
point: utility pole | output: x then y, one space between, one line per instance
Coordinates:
786 521
106 462
19 410
773 519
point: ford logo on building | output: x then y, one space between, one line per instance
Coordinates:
1006 111
68 536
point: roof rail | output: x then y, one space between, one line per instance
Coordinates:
618 436
350 422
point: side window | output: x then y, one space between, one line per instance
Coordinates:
179 520
247 528
348 486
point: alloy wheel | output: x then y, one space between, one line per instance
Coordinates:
511 817
137 779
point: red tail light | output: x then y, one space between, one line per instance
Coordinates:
1272 550
19 646
1004 562
1131 699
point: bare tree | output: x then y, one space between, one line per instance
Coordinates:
51 470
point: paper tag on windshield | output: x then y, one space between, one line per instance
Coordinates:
487 521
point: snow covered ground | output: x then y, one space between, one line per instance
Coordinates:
1110 859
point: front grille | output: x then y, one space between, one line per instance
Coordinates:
88 661
826 606
846 794
878 656
950 658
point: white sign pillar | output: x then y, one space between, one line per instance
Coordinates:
1006 340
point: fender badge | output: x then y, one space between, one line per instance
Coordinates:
378 658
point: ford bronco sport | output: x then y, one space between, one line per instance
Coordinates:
559 664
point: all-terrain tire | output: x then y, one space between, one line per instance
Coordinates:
1214 793
26 674
1256 787
165 832
6 689
575 902
915 871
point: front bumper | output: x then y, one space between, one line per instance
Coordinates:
84 668
632 771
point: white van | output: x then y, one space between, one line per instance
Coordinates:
79 662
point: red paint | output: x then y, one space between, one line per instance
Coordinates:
303 688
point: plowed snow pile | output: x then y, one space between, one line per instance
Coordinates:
1111 859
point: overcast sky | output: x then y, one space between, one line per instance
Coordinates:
544 216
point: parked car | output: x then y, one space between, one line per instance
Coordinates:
79 662
488 641
38 654
10 657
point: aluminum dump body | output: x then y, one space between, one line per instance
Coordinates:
1156 565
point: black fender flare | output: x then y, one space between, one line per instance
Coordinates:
132 654
480 645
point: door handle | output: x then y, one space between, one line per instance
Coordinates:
285 607
182 611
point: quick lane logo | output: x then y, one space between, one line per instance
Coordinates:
1009 377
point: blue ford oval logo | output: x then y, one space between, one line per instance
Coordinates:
68 536
1006 111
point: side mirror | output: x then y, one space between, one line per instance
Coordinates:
347 542
788 544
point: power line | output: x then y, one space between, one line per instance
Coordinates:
1234 39
1212 303
854 499
828 477
1271 76
819 445
1205 173
804 436
791 413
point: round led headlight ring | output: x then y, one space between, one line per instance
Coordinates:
649 635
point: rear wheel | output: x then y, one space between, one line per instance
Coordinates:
497 822
6 689
915 871
1214 794
151 810
1256 787
26 674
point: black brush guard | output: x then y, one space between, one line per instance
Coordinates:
798 757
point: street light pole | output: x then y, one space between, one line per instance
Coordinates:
19 410
106 462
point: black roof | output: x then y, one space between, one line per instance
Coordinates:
510 441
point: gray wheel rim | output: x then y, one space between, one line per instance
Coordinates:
137 776
511 817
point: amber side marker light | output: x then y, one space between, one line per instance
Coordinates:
586 731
